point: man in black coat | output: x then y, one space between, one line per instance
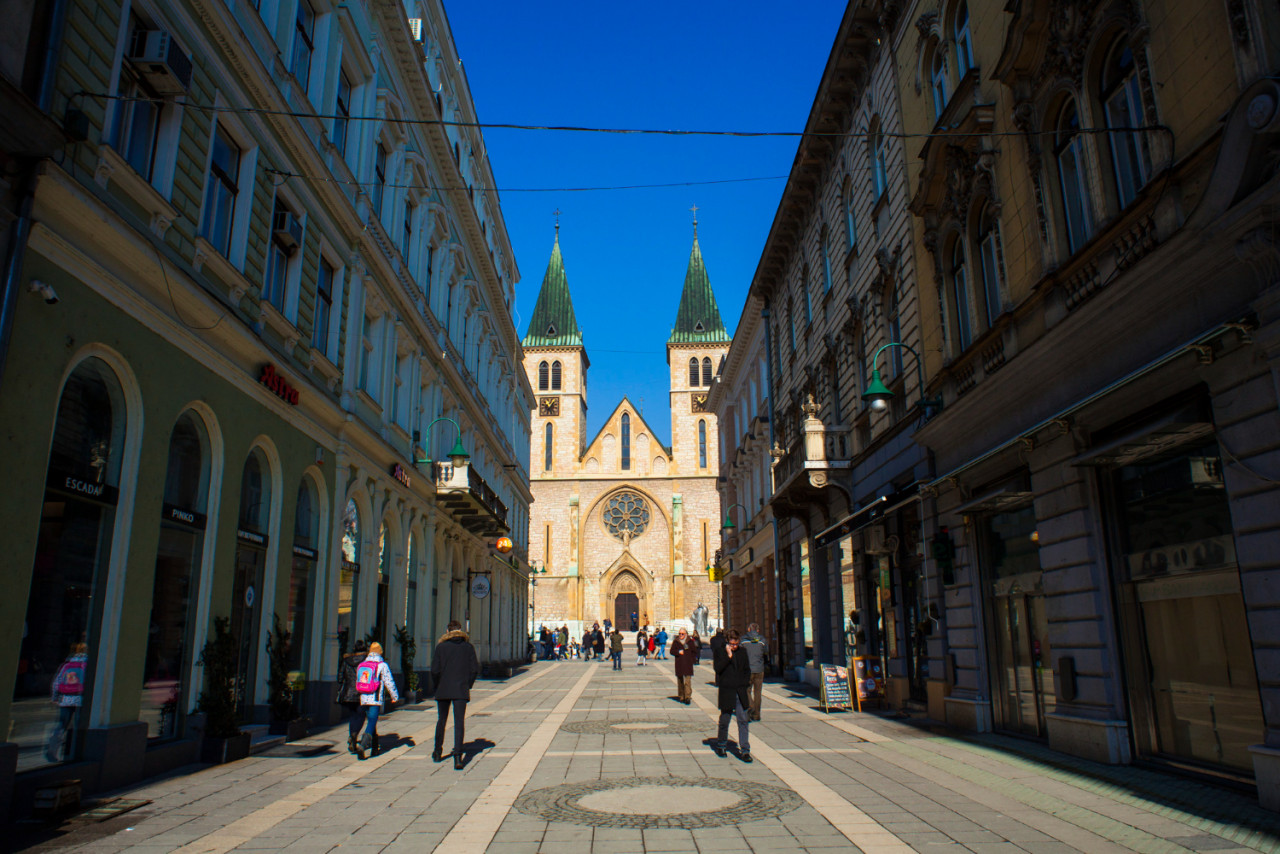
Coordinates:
733 677
454 667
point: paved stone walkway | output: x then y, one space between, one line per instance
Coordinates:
571 758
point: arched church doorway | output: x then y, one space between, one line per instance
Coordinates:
626 612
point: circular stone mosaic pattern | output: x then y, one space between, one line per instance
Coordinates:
614 803
633 727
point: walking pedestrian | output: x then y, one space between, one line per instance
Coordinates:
586 645
608 626
454 668
67 693
683 651
615 649
348 697
373 676
697 643
717 645
661 641
653 644
597 641
564 642
642 648
753 643
733 676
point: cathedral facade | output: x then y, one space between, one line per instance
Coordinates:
621 526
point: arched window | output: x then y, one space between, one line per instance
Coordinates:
548 447
250 573
879 172
964 41
543 382
850 225
1122 106
960 293
693 372
349 575
306 532
808 295
939 84
555 375
826 260
626 442
990 258
411 585
702 444
706 371
164 689
1069 152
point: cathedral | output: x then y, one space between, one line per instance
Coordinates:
621 526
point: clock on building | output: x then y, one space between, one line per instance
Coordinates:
549 406
699 401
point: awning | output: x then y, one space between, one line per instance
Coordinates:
864 516
1170 432
996 501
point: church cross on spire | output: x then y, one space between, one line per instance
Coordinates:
695 221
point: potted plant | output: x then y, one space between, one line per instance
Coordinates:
408 650
282 685
223 740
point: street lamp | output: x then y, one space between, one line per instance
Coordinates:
727 527
534 572
878 394
458 456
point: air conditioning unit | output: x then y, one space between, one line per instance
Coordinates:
158 58
873 540
287 230
415 27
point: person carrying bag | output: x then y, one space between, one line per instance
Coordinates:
373 676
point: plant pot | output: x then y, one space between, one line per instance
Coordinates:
220 750
293 730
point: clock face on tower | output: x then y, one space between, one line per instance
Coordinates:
549 406
699 399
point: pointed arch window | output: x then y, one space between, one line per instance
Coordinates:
1122 106
989 256
964 41
1069 152
702 444
543 373
626 442
693 372
706 371
555 375
548 443
960 293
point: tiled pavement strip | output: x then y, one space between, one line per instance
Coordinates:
870 784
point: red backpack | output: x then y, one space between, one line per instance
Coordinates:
367 681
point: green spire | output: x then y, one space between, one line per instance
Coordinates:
554 323
698 320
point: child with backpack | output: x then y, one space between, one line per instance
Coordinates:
372 676
67 695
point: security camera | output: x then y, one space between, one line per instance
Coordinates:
46 291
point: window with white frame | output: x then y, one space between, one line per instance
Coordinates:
1122 107
989 255
964 41
325 276
222 188
135 131
342 113
879 171
286 238
304 43
939 83
1069 152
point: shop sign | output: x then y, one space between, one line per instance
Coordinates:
66 481
835 688
304 552
251 537
480 586
277 384
398 472
174 513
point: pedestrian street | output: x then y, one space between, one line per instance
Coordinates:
572 756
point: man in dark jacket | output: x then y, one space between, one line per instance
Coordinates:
597 641
454 667
733 675
348 697
717 644
753 644
683 651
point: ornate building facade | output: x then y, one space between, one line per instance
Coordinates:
621 526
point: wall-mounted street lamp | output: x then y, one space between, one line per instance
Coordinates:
458 455
878 394
727 527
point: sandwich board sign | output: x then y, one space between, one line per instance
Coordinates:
835 688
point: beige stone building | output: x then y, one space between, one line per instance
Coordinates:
623 527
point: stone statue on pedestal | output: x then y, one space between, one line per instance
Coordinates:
699 617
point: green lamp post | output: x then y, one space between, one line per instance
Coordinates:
727 527
878 395
458 455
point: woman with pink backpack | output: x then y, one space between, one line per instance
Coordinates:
67 695
372 676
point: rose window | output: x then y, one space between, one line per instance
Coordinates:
626 515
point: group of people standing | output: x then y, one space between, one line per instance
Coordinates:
365 678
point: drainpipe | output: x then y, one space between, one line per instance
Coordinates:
21 228
777 548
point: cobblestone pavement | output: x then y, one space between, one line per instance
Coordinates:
570 757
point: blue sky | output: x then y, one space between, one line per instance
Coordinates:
711 65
